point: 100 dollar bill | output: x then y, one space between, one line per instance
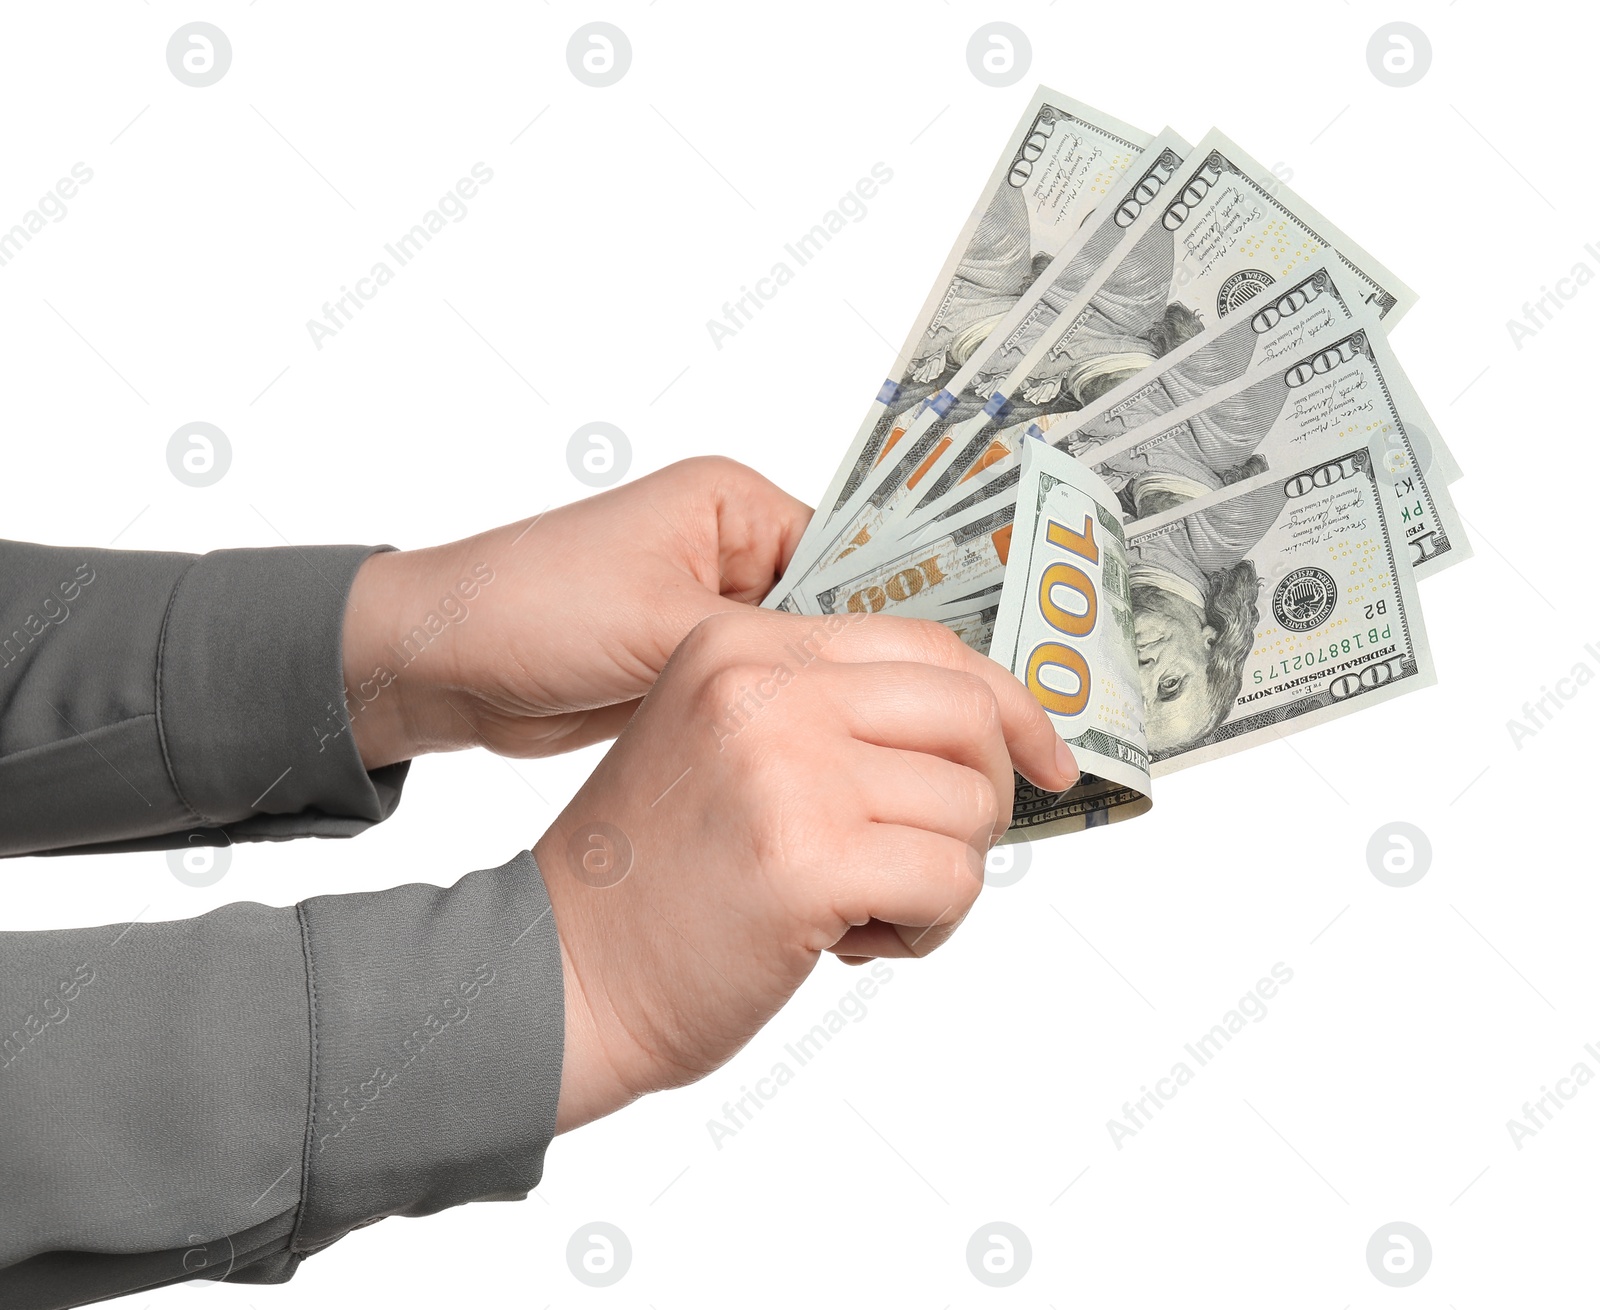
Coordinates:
1348 385
1057 166
1285 322
1270 606
1268 420
1066 627
1275 604
1225 231
908 452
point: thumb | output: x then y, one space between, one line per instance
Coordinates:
757 535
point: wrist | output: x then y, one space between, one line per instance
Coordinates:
399 660
592 1086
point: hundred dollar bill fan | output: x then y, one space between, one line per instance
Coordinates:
1148 446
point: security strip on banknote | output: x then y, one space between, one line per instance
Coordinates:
1057 166
1286 323
1346 384
1212 236
1347 381
919 437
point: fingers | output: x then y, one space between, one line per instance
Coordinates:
729 527
876 940
943 732
921 881
851 639
1035 750
933 793
580 729
758 527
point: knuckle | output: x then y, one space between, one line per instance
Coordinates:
724 685
712 470
966 882
719 464
806 636
939 644
709 641
1006 801
950 872
986 799
960 883
976 703
924 640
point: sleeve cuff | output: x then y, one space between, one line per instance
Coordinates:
437 1028
250 696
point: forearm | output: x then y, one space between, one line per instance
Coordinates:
222 1096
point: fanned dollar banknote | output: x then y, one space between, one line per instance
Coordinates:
1287 322
1056 168
1065 626
1175 478
918 435
1346 382
1272 605
1221 231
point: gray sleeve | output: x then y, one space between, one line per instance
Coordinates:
220 1097
150 699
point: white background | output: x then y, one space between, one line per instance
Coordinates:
979 1083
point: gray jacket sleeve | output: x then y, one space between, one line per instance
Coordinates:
220 1097
152 699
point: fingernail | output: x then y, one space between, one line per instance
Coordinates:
1066 763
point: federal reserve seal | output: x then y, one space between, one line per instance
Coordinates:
1304 598
1241 287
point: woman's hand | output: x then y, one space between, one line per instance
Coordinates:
792 785
541 636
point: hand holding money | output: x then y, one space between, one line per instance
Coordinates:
457 645
790 786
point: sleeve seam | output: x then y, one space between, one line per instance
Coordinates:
311 1089
161 726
